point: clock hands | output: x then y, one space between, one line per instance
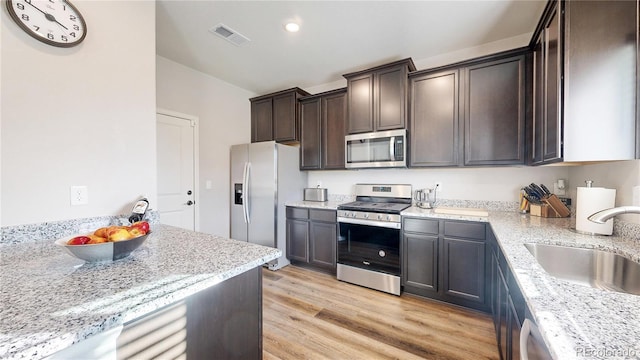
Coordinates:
47 15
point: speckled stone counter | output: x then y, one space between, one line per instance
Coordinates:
576 321
51 300
323 205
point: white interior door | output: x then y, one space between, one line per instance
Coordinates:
176 170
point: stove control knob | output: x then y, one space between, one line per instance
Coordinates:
366 216
379 217
388 217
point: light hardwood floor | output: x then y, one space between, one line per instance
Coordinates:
311 315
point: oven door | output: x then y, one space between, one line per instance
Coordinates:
370 247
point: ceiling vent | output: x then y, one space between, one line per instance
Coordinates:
229 34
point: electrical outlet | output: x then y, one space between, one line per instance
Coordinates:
78 195
560 187
438 186
318 184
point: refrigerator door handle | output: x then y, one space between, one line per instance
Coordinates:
247 201
244 192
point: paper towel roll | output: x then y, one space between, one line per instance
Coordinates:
589 201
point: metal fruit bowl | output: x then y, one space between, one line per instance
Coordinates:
108 251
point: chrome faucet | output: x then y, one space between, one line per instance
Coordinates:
603 215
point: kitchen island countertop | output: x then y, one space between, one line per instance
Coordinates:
51 300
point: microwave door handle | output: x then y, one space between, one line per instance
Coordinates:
392 148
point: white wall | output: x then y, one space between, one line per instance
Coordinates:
624 176
224 114
446 59
498 184
79 116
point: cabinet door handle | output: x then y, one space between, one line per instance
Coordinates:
524 336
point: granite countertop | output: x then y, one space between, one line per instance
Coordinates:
323 205
576 321
51 300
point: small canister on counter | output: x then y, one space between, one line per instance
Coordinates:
315 194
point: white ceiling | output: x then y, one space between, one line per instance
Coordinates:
335 38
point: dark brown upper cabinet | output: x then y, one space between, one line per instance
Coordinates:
434 118
585 82
547 72
494 112
471 113
275 116
377 97
322 124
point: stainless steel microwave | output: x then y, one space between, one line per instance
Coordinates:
376 149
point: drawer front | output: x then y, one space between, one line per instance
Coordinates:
420 226
469 230
323 215
297 213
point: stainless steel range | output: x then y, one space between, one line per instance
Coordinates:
369 243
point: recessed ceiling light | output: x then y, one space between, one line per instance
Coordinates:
292 27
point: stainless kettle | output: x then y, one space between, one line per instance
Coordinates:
425 198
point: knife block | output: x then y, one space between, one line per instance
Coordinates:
552 207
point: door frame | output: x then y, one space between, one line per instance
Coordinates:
195 121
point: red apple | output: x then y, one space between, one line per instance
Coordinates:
143 226
79 240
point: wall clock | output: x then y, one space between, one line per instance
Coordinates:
54 22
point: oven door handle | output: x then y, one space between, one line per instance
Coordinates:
384 224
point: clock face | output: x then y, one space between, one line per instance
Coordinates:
54 22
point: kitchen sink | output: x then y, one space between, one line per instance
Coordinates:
595 268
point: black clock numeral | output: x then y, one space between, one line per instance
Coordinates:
36 27
72 34
50 36
25 17
76 27
64 38
20 6
72 17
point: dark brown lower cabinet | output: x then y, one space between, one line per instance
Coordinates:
508 307
420 271
312 237
446 260
223 321
322 244
298 240
464 260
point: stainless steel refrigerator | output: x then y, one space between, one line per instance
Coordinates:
264 176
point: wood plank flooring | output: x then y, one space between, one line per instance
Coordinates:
311 315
